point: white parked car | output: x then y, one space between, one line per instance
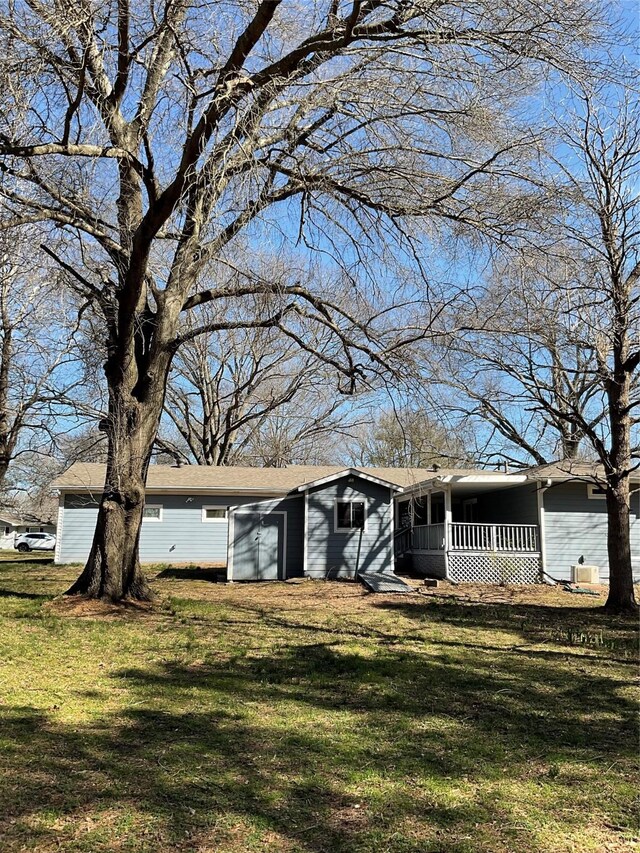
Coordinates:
36 542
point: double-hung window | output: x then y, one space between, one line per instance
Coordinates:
350 515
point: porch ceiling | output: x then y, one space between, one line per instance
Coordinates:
470 484
480 486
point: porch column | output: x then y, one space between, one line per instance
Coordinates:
447 527
542 545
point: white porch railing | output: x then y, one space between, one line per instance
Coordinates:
493 537
521 538
428 537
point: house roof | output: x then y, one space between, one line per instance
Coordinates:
470 481
570 469
10 518
347 472
89 476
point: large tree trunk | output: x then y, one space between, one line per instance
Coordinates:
113 570
621 597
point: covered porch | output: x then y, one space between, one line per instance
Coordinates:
471 528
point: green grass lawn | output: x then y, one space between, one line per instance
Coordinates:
313 717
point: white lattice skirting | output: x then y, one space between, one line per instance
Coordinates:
494 568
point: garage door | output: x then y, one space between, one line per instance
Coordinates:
258 546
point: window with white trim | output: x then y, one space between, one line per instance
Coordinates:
596 493
350 515
152 512
214 513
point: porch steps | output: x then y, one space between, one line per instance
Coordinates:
384 582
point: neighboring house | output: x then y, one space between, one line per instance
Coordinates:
327 521
12 525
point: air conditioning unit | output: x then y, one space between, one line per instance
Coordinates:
585 574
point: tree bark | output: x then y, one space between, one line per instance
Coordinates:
621 598
113 571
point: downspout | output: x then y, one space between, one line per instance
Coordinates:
60 522
231 518
305 541
358 554
541 527
392 534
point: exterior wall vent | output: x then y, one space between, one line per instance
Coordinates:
585 574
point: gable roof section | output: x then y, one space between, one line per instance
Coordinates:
349 472
89 476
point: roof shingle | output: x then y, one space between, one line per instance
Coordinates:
90 475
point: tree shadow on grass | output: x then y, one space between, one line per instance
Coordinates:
319 749
26 558
34 596
538 625
586 627
215 575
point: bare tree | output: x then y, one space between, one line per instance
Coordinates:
516 378
39 371
606 236
158 135
558 350
311 429
248 396
409 438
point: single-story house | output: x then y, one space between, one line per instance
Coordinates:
13 525
329 521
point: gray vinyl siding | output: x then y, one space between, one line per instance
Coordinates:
509 506
332 553
294 507
180 537
576 526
